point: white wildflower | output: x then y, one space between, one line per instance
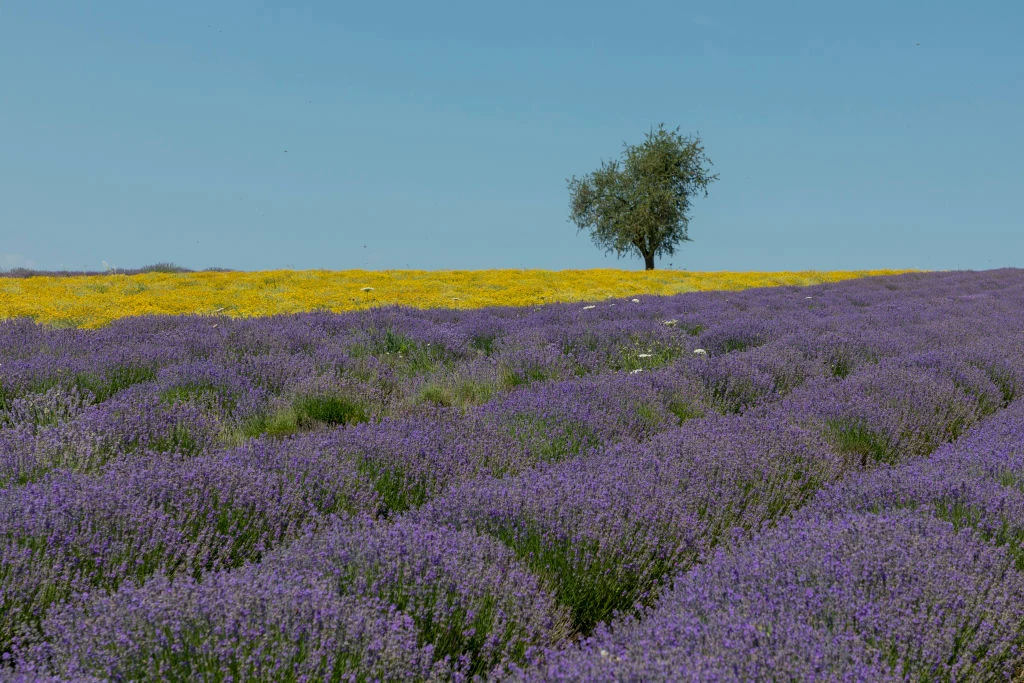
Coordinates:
643 355
669 323
636 371
587 308
604 653
636 301
367 289
700 352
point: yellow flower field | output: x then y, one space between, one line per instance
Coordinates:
95 300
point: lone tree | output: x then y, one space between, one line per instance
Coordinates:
641 202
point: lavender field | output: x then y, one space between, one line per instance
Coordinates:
817 483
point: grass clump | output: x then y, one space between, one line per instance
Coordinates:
398 490
511 377
646 355
460 392
552 440
484 343
402 353
684 410
305 413
852 438
276 425
328 409
202 393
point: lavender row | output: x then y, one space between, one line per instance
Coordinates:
976 483
71 533
361 600
891 597
927 583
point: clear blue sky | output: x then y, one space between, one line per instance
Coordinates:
439 135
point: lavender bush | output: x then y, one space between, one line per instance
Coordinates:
360 599
245 625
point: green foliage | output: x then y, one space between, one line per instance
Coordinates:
840 367
512 377
460 392
684 410
650 417
305 412
406 356
113 380
180 440
328 409
437 394
550 439
483 343
641 202
646 354
592 582
395 342
281 423
198 393
730 344
398 491
853 438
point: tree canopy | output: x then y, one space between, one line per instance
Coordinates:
640 202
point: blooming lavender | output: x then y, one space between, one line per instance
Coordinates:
606 531
359 599
492 484
468 595
977 482
73 533
900 596
251 624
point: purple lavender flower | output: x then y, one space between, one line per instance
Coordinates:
250 624
468 595
605 531
862 597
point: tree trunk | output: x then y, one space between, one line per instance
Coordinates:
648 261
